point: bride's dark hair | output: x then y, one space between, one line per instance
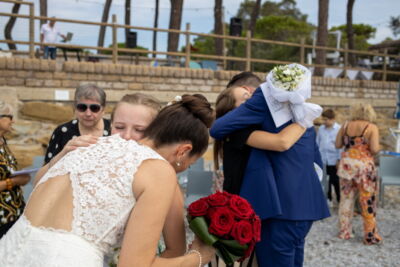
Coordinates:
185 120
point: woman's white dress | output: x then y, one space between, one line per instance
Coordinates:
101 176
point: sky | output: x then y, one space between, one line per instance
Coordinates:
198 13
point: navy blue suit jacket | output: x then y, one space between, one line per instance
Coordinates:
282 185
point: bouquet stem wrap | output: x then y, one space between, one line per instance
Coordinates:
297 94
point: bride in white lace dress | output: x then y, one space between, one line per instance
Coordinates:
113 191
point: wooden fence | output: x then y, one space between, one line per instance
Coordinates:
188 54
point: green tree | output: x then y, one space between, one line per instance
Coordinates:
362 32
394 25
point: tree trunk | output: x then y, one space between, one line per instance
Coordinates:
104 19
254 15
175 20
10 25
218 28
155 26
322 35
127 20
43 11
350 32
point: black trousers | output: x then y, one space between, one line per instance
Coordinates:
333 181
5 227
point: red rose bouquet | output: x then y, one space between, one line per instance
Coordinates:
228 223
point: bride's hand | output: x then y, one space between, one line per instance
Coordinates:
207 252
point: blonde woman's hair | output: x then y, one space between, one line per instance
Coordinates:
362 112
139 99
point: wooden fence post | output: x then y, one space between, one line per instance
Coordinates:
346 61
114 40
302 52
385 51
187 57
31 31
248 51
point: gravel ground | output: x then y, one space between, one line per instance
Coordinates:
323 248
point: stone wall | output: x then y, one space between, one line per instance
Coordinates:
42 91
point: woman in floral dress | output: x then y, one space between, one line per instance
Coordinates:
357 172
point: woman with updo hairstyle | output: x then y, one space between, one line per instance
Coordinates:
359 137
114 192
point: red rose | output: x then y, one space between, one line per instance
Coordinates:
242 231
256 228
221 221
217 199
198 208
241 208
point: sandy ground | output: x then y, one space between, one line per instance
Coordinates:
323 248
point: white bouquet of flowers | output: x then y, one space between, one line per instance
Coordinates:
292 84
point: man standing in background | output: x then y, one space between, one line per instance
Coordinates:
326 139
48 34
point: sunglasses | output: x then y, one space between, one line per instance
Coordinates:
83 107
7 116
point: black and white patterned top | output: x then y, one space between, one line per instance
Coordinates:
65 132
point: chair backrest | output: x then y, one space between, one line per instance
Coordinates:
199 185
198 165
38 162
389 166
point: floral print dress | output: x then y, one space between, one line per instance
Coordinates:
358 177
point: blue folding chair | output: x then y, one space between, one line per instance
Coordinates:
389 171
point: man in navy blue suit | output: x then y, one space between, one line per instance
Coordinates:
283 187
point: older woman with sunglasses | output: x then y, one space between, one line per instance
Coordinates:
89 104
11 198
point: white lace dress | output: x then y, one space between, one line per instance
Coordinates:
101 178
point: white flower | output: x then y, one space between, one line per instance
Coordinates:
178 98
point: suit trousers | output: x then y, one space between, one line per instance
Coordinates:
282 243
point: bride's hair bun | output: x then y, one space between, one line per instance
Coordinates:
199 106
187 119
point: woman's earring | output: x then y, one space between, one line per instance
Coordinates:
178 164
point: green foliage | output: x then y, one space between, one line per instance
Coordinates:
394 25
362 32
122 45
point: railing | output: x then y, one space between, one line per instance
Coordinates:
188 55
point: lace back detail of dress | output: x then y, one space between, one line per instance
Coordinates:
101 178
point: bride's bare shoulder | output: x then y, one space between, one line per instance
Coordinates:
155 173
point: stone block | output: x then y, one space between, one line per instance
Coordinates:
52 83
165 87
98 68
104 85
83 67
143 79
68 66
3 81
47 111
185 81
3 62
95 77
119 85
127 78
112 69
217 88
135 86
79 76
150 87
52 65
146 70
23 74
34 83
10 63
8 73
44 65
198 81
19 63
111 78
105 68
133 70
60 75
90 67
13 81
35 64
27 64
204 88
42 75
118 69
69 83
126 69
156 79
